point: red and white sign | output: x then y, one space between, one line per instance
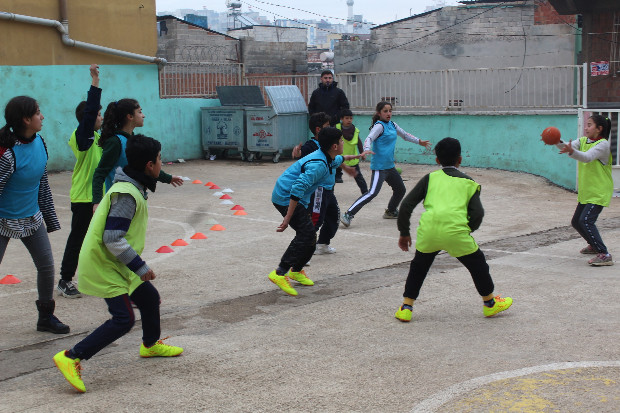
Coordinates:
599 68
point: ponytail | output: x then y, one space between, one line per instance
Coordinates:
115 117
378 109
16 110
605 123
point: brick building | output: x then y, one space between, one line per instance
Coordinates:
601 43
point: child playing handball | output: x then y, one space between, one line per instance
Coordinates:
110 265
453 211
595 183
291 196
382 137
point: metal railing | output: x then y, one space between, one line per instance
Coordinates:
197 80
552 87
462 89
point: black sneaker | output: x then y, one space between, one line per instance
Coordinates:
390 214
339 180
67 289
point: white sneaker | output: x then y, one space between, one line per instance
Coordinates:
324 249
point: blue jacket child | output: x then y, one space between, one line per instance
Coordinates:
291 196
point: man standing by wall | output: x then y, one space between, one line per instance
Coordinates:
328 98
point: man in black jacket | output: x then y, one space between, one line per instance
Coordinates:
328 98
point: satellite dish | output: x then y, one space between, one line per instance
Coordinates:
327 57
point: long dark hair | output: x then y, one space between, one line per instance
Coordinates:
115 117
378 109
605 123
16 110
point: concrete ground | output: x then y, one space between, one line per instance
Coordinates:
336 347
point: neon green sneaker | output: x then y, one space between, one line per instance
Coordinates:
500 305
71 369
160 349
403 314
282 282
300 277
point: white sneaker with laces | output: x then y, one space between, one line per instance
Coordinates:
324 249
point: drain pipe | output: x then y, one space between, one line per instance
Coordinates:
63 28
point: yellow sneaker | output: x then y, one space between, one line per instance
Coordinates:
282 282
300 277
71 369
160 349
500 305
403 314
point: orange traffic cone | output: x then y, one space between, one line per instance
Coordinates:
164 249
179 243
197 181
217 227
198 235
209 183
10 279
240 212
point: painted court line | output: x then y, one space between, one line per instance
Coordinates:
433 403
536 254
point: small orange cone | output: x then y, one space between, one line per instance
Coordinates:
10 279
198 235
197 181
240 212
164 249
237 208
226 196
179 243
215 187
217 227
209 183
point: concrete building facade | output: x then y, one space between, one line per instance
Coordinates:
477 34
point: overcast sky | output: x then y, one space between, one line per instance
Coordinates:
378 12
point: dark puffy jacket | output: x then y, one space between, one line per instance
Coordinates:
330 100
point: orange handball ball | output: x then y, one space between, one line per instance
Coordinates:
551 135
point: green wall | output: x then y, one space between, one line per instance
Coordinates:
504 141
58 89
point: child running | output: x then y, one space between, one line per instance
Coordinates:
352 146
595 184
325 210
291 196
26 200
119 121
111 266
84 143
382 138
452 211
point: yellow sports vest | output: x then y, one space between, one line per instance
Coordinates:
444 225
99 272
596 185
85 164
350 147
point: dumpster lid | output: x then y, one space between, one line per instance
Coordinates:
286 99
240 95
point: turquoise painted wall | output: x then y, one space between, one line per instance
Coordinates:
503 141
510 141
58 89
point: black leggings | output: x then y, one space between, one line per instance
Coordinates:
393 179
476 263
302 247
